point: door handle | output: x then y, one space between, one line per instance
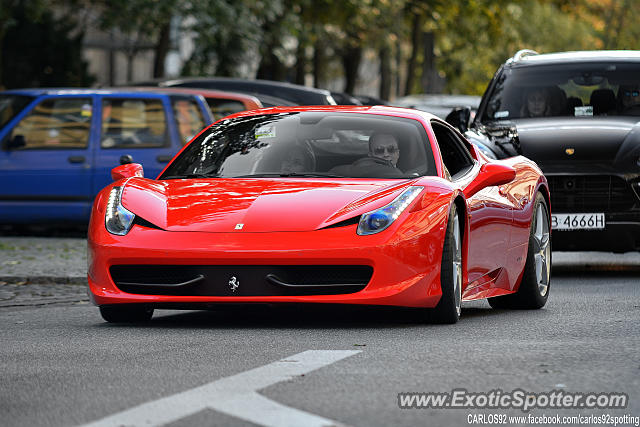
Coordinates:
164 158
76 159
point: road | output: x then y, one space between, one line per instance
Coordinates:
61 365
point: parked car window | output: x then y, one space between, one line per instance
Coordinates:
11 105
137 123
223 107
55 123
188 117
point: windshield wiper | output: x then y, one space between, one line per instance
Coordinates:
291 175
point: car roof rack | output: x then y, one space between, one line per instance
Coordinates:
521 54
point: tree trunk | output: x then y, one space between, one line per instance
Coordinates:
318 62
415 48
161 50
428 64
301 61
271 68
351 62
385 72
130 57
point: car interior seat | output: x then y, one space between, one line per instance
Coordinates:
603 101
572 103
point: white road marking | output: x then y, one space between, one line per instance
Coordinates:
236 396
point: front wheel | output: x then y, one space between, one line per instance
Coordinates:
125 313
536 277
449 308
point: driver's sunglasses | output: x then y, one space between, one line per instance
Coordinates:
391 149
630 93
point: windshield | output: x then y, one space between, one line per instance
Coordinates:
11 105
578 90
310 144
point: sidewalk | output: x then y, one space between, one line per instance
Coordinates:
43 260
47 260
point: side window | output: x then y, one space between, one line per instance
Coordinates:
133 122
455 156
55 123
223 107
188 116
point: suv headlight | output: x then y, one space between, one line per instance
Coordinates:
379 219
117 219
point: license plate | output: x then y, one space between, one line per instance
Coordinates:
577 221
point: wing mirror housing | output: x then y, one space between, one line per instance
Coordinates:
460 118
14 143
491 174
127 171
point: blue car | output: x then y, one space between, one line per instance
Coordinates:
58 146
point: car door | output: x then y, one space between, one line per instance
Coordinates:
46 161
490 214
134 128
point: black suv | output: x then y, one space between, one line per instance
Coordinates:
577 114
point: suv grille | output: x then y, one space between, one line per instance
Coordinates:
590 193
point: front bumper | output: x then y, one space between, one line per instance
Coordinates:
405 262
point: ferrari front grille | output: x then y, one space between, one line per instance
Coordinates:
590 193
241 280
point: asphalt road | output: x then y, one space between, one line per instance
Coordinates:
60 364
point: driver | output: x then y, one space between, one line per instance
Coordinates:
381 160
384 146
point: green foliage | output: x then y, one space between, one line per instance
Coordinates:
40 50
326 37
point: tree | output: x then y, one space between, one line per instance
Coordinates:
40 50
143 25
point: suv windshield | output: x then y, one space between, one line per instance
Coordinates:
11 105
576 89
309 144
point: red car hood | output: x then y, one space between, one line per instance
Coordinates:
254 205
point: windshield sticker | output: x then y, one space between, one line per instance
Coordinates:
266 132
86 110
586 110
501 114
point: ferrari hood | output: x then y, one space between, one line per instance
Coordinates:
561 141
254 205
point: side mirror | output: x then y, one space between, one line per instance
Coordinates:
490 174
460 118
127 171
125 159
15 142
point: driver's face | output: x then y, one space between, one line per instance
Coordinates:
385 147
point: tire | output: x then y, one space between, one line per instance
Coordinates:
126 313
536 277
448 309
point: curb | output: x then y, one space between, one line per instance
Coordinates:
43 280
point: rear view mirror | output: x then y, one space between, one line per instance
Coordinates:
127 171
460 118
490 174
16 142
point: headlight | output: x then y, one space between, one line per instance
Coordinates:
378 220
117 219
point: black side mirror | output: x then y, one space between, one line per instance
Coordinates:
460 118
126 159
16 142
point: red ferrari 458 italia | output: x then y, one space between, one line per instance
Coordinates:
349 205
